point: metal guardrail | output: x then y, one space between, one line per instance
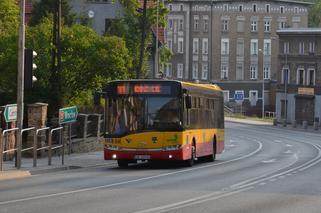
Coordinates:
2 146
56 147
35 149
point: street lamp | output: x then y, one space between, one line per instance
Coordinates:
260 50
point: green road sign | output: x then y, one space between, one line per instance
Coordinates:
10 112
68 115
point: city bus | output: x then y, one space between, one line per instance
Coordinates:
169 120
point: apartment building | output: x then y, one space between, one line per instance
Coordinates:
231 43
100 13
298 94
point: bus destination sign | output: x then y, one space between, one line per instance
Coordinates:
124 89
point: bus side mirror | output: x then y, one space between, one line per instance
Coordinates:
188 102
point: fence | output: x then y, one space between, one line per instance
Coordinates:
52 140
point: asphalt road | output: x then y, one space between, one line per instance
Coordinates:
263 169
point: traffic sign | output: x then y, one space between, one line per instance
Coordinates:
68 115
10 112
239 96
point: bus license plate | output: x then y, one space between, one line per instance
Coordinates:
142 157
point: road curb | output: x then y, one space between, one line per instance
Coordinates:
14 174
247 121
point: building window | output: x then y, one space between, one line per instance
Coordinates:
267 8
266 72
226 94
240 8
296 9
225 7
311 77
170 7
170 44
181 7
254 8
195 45
180 70
240 26
181 25
311 47
225 46
285 75
239 72
286 47
180 48
253 72
224 71
195 70
253 26
169 70
300 80
267 47
205 23
254 46
196 23
204 71
170 24
205 46
253 97
224 25
301 48
282 24
240 47
267 26
282 9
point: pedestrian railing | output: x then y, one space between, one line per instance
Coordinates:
35 133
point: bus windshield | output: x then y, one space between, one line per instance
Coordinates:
127 114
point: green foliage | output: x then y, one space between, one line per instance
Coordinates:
9 21
44 8
315 14
130 27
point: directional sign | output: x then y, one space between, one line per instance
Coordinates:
68 115
239 96
10 112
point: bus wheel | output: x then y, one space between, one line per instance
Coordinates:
212 157
122 163
190 162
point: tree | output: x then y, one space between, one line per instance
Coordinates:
137 23
43 8
315 14
9 22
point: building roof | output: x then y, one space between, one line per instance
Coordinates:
161 34
305 30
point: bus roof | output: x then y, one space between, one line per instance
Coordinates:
213 87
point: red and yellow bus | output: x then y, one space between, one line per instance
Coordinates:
163 120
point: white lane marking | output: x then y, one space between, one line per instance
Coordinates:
126 182
288 152
231 145
264 177
277 141
269 161
190 202
288 145
272 180
262 184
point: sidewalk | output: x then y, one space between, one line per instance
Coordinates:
73 161
267 123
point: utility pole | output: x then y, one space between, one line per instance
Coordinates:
20 82
157 31
56 58
142 41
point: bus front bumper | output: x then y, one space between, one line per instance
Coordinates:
145 155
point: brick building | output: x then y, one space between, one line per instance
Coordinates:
231 43
299 75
